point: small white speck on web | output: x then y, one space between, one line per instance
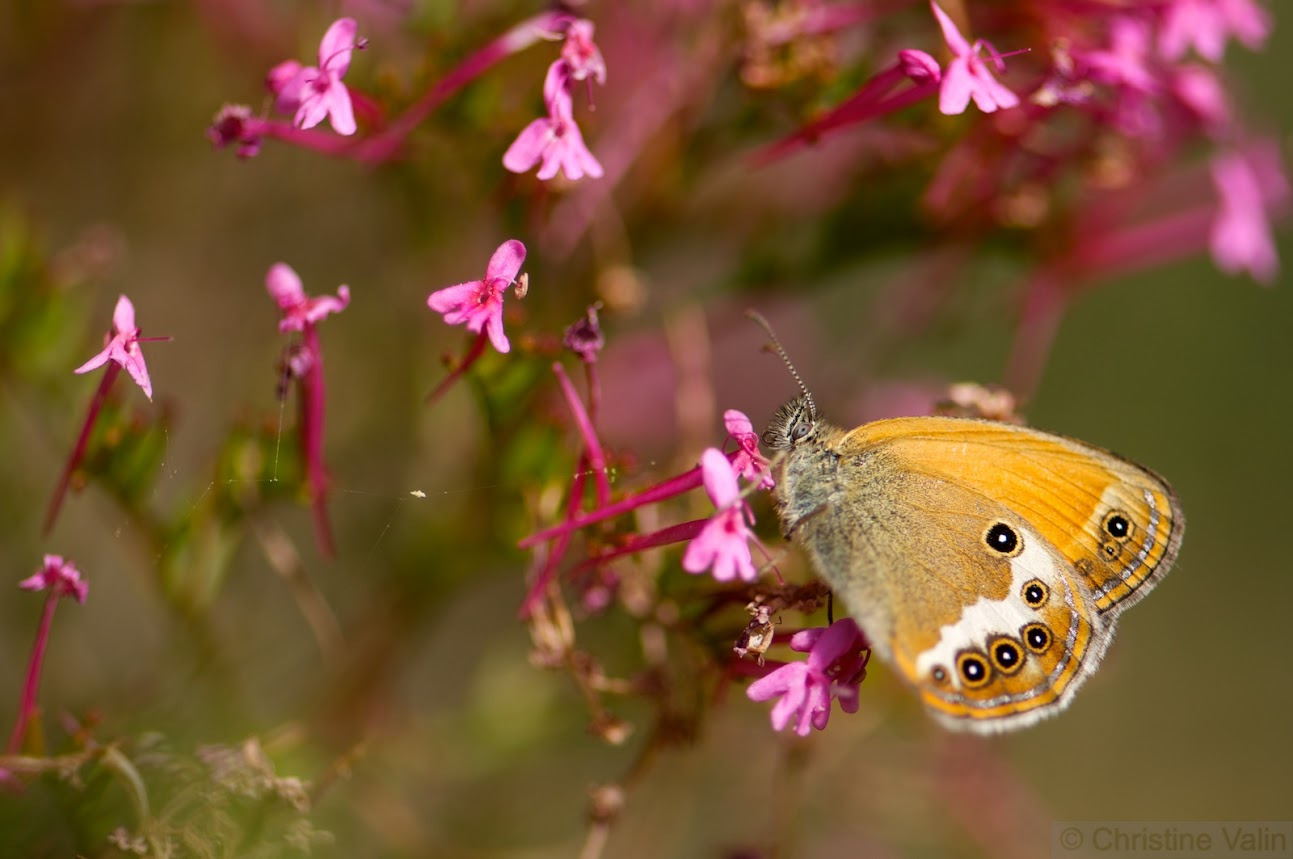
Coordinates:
417 493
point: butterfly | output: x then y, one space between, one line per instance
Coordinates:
987 562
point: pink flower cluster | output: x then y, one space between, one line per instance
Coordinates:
554 141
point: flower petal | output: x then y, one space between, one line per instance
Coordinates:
336 46
123 317
529 146
284 286
951 34
954 92
340 111
506 262
719 477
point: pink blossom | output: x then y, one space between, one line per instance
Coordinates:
724 542
919 67
59 576
122 346
1241 233
967 76
1199 90
479 303
1125 63
234 124
836 666
315 92
1204 25
748 462
581 54
554 141
284 287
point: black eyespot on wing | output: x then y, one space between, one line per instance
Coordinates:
1007 654
1117 525
1000 537
1035 593
973 668
1037 637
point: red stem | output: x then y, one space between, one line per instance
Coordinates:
312 412
540 583
78 449
477 349
684 482
596 456
27 708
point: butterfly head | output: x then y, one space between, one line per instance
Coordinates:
794 424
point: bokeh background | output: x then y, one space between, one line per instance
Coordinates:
442 737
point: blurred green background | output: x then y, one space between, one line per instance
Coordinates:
470 750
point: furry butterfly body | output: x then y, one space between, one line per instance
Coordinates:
987 562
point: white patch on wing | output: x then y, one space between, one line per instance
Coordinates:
987 618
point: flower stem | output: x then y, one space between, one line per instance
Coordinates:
27 708
312 412
477 349
82 440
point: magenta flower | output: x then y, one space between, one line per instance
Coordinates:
724 543
1125 63
581 54
60 577
1241 233
966 76
315 92
122 346
553 142
284 286
305 364
1204 25
836 666
234 124
748 462
479 303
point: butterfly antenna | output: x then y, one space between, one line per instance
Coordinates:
781 350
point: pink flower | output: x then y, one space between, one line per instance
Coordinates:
1205 25
234 124
60 576
724 542
479 303
581 54
748 462
1241 233
284 287
966 76
122 346
1125 62
919 66
315 92
1199 89
836 665
553 142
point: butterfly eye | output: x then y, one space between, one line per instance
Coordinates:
1002 538
799 431
973 668
1036 593
1007 655
1037 637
